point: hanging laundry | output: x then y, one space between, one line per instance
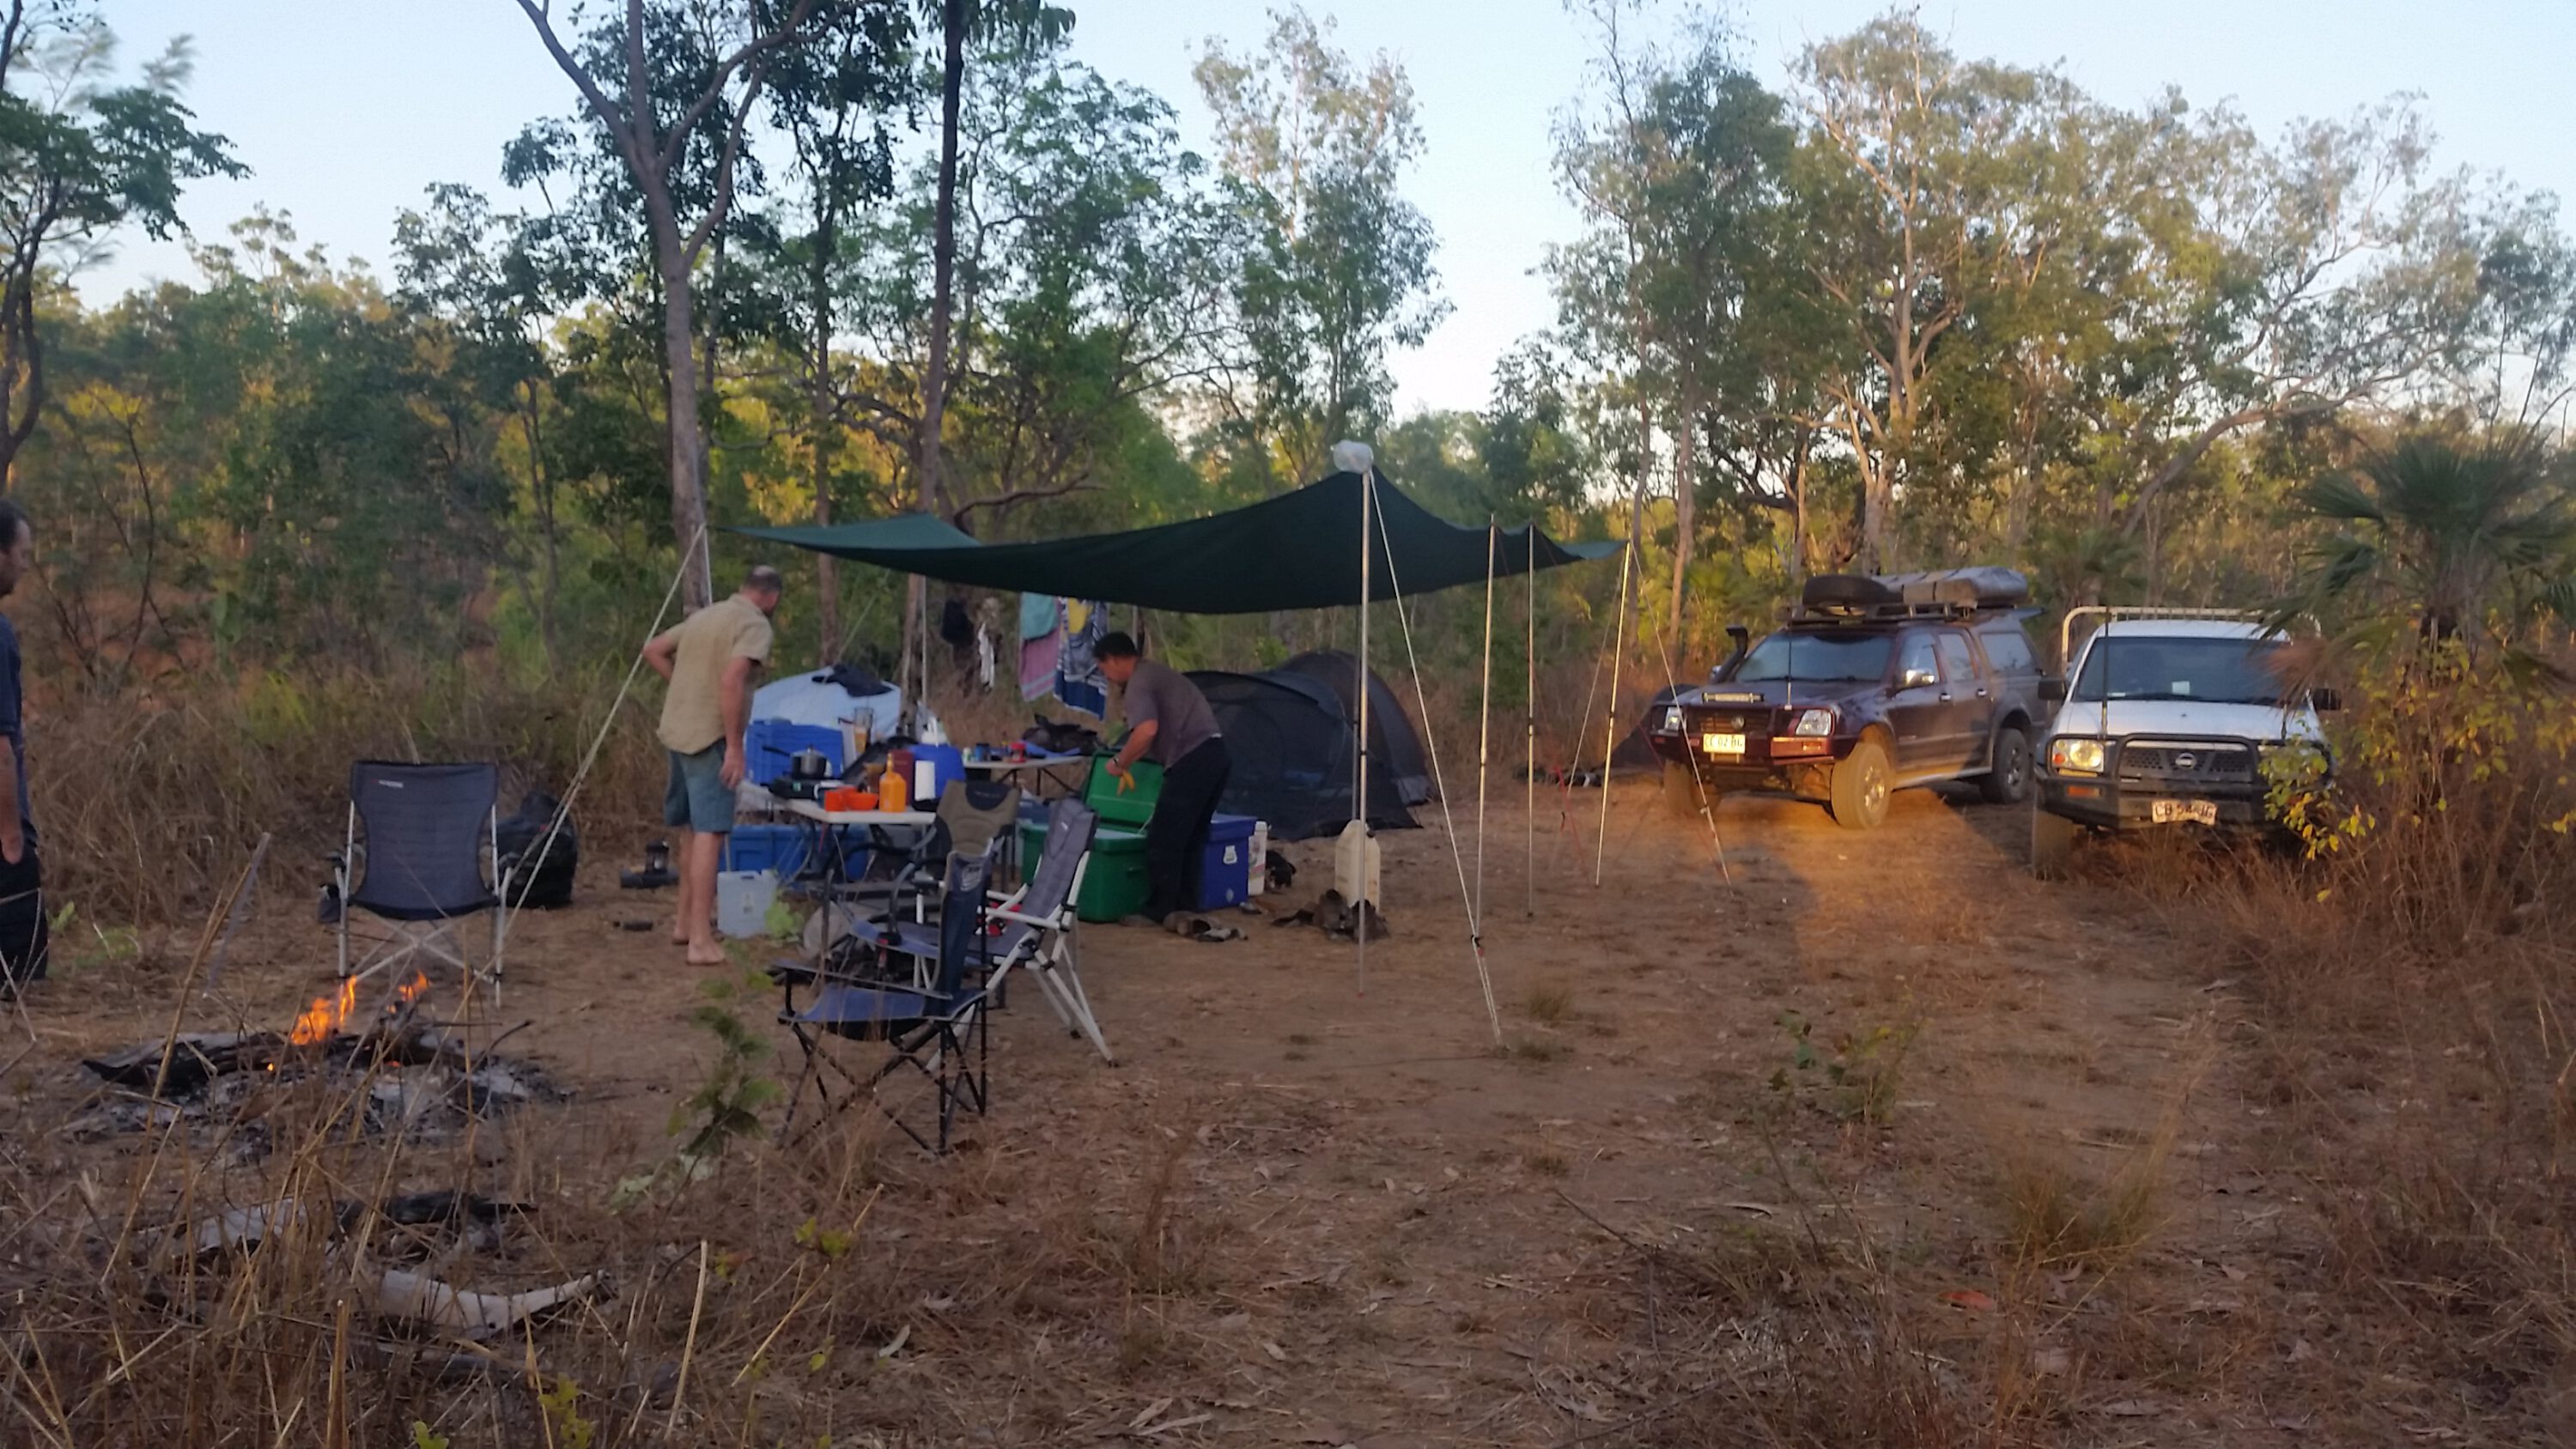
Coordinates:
1078 680
1041 644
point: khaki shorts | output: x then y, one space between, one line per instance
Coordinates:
696 798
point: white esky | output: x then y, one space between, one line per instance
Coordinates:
346 109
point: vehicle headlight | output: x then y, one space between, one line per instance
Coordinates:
1673 720
2075 754
1814 724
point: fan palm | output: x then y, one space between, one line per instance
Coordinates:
2452 539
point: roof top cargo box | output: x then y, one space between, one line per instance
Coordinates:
1940 591
1970 588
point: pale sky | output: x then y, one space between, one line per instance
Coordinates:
346 109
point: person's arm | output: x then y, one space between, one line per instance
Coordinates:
664 654
13 819
1139 740
736 697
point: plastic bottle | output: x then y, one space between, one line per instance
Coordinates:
1355 861
894 791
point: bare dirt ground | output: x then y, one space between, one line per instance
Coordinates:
1856 1107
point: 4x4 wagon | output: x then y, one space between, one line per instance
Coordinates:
1876 684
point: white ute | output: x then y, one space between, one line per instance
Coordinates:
2164 719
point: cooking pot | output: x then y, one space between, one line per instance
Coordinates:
809 765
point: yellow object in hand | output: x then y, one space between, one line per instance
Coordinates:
1126 781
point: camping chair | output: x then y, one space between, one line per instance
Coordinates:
429 857
939 1030
1040 929
1033 928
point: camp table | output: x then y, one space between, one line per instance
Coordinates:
1039 769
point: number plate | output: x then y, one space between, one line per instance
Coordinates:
1717 744
2190 812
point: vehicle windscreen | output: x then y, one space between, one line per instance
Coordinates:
1820 658
2219 671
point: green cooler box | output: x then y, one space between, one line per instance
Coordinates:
1115 884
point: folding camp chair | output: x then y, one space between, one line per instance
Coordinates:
1040 930
938 1029
1034 928
430 835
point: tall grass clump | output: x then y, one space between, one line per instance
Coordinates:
2415 956
145 800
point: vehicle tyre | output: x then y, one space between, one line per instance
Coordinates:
2052 845
1862 783
2008 781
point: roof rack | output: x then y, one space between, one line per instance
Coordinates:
2109 612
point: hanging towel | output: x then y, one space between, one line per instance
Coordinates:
1078 680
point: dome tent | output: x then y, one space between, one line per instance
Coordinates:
1393 745
1290 739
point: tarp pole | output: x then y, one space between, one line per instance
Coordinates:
1359 791
1529 746
1485 709
1610 736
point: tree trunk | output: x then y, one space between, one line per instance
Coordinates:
1685 501
827 584
943 256
688 482
1798 515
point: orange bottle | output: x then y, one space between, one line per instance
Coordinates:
893 791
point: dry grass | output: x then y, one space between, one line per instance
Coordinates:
2419 994
795 1297
1549 1003
171 793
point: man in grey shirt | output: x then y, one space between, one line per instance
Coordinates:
1168 721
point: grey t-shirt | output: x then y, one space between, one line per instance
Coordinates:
1182 720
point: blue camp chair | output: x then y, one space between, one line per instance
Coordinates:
936 1026
422 852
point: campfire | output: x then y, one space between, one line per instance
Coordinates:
397 1073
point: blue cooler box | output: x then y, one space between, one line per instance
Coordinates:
781 848
1225 867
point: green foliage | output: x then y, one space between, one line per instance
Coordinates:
560 1401
422 1438
1854 1079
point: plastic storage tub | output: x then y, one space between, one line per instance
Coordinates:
1131 807
1227 863
781 849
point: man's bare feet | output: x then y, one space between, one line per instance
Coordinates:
707 954
679 936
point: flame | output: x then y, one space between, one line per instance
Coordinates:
326 1014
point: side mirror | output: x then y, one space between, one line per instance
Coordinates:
2052 691
2325 701
1918 678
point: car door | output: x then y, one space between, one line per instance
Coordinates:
1915 704
1968 703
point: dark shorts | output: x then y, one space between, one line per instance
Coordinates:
696 798
25 935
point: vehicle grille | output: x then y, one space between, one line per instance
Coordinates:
2184 759
1749 722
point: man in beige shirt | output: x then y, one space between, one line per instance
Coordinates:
709 660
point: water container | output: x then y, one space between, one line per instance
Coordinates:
742 901
1354 861
1260 881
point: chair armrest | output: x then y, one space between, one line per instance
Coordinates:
1006 913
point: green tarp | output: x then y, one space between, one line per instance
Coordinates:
1297 551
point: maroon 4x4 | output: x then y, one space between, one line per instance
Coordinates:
1875 684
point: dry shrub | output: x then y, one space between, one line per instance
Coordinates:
2417 971
850 1285
145 801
